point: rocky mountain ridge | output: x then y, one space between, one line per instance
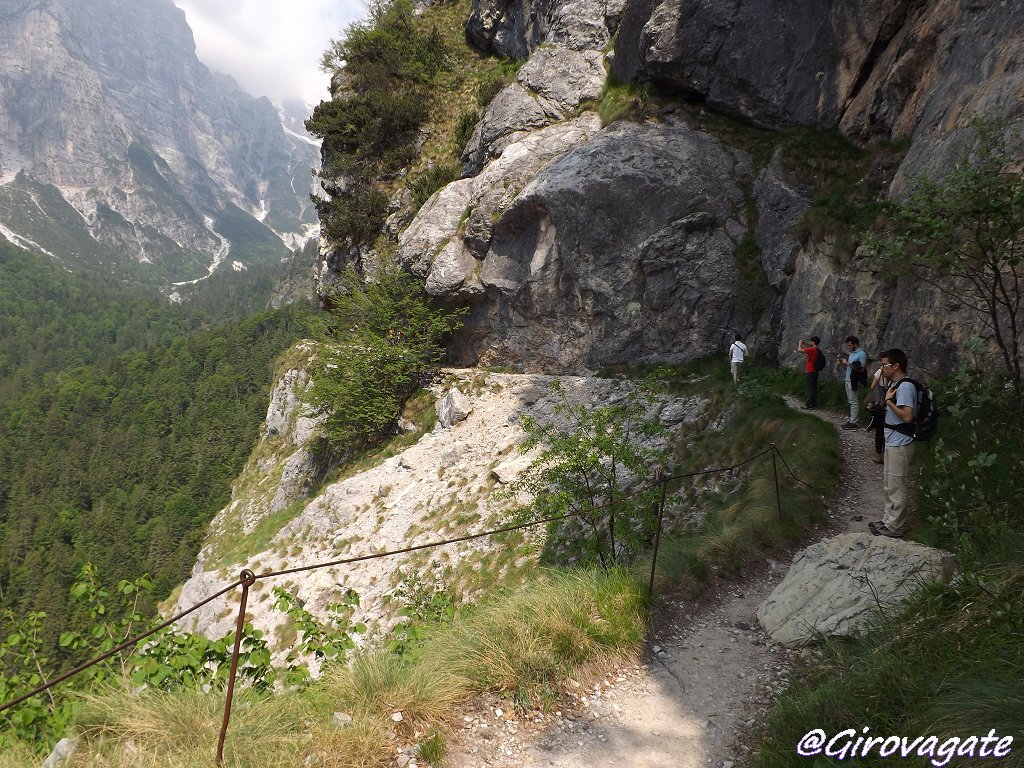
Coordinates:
120 151
579 246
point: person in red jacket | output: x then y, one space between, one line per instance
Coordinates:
810 371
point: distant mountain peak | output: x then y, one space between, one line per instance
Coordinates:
136 159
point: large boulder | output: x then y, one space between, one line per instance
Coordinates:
834 586
451 233
579 276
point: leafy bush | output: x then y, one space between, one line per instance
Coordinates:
584 468
371 130
383 339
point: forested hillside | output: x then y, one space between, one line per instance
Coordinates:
124 420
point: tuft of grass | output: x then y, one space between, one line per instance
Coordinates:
622 101
526 643
432 749
19 755
161 729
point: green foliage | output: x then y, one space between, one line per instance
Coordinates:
166 661
371 130
964 234
326 642
425 606
357 221
464 129
623 101
431 180
383 341
432 749
387 46
124 421
583 469
973 476
172 660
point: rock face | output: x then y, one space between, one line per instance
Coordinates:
834 586
514 28
441 487
579 246
118 147
579 277
891 69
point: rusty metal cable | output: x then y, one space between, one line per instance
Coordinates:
117 649
373 556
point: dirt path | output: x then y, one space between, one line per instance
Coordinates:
709 672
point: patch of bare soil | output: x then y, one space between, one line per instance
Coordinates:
709 672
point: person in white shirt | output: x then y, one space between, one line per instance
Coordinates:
737 351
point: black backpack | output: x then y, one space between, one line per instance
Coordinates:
819 360
926 415
858 375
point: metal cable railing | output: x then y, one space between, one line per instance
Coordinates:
248 578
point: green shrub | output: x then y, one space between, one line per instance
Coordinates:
431 180
464 129
489 88
383 338
372 130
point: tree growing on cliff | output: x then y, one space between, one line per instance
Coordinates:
964 234
383 339
595 464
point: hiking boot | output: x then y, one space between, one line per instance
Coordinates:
877 458
881 529
851 425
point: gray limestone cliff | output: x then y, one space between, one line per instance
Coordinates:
118 147
579 246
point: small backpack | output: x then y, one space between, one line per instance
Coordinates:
858 375
926 415
819 360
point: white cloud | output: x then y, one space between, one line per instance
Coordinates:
271 47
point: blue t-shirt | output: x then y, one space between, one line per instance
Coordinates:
906 394
858 355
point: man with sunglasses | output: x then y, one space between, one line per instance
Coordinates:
900 405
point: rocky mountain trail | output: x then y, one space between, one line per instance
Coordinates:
707 676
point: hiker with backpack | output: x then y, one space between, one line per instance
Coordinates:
855 375
901 403
814 364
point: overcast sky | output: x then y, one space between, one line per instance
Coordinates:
271 47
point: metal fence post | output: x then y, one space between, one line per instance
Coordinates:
775 472
662 477
248 578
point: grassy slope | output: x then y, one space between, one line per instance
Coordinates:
524 643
